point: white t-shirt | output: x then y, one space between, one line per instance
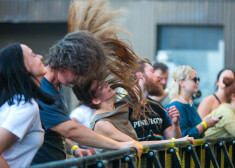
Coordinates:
82 114
22 120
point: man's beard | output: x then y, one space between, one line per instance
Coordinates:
153 88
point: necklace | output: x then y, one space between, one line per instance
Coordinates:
190 102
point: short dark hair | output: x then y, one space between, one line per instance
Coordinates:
85 94
229 88
220 72
79 52
141 63
160 66
16 80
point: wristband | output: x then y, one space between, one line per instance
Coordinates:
173 140
73 149
204 124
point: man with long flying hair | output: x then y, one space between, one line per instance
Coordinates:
91 52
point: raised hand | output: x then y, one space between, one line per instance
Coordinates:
173 114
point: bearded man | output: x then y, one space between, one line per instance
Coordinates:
155 125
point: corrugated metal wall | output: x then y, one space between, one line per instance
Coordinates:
33 10
144 16
141 19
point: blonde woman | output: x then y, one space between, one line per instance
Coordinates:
184 84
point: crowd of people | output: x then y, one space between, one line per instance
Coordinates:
36 126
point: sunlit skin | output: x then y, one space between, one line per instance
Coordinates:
106 104
210 103
72 130
35 68
187 88
63 76
163 77
190 86
104 96
66 77
150 73
173 113
33 63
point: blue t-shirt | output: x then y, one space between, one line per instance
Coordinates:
51 115
189 119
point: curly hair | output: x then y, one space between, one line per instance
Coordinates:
79 52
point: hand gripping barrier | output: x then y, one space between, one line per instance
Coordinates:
205 153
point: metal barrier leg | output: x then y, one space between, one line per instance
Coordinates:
211 155
117 163
226 156
175 157
193 153
130 159
233 151
153 155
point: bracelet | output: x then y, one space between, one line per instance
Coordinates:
73 149
173 140
204 124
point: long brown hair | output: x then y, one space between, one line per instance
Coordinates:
99 19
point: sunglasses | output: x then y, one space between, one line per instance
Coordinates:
196 79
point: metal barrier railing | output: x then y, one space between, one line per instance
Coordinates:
205 153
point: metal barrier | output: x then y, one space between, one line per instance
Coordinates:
205 153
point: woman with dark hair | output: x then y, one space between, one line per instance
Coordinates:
21 133
211 102
225 111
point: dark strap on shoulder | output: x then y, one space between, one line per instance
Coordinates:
217 98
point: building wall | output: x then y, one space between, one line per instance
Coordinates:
141 19
144 16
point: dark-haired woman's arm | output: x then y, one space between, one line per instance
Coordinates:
6 140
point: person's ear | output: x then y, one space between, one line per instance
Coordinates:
96 101
139 75
220 85
233 96
181 83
